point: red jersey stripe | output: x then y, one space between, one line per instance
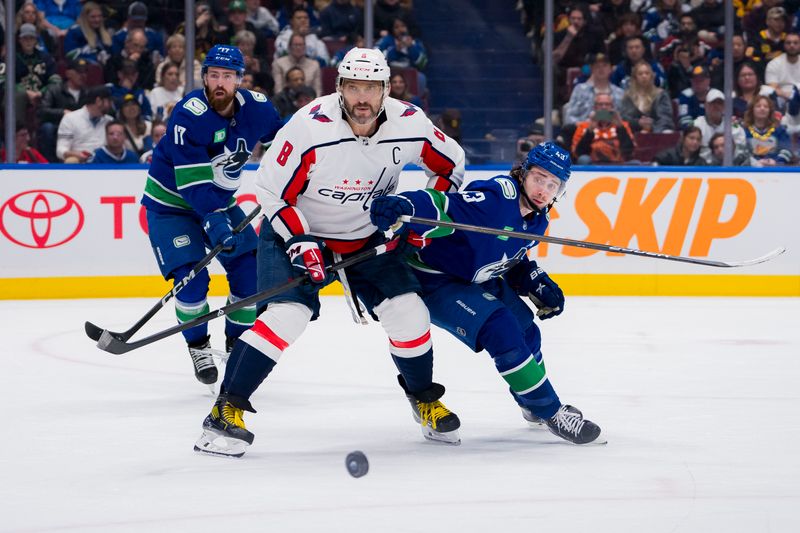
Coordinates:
413 343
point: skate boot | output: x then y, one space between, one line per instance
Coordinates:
201 354
438 423
540 423
224 432
571 426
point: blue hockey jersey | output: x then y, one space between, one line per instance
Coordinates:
471 256
197 164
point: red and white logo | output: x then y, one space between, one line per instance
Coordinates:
40 219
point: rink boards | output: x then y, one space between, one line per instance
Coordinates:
71 232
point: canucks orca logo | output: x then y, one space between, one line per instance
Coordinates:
228 165
316 115
410 109
492 270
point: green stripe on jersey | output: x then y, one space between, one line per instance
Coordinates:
193 175
439 201
526 377
186 314
154 190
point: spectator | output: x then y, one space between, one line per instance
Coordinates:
35 71
89 38
748 86
756 20
25 152
57 102
81 132
386 11
604 137
769 41
285 99
60 13
449 121
114 152
534 137
679 73
398 88
135 51
634 53
611 14
712 123
572 46
710 18
687 153
29 14
208 31
401 49
783 72
646 107
246 40
297 58
340 19
687 36
137 129
137 19
662 20
354 40
237 22
158 132
176 55
630 25
299 23
767 140
260 17
285 14
741 54
581 101
164 97
716 153
127 85
691 102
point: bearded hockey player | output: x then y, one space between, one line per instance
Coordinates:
193 176
472 282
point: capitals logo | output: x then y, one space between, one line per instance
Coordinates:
410 109
229 164
316 115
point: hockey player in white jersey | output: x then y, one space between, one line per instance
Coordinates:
315 184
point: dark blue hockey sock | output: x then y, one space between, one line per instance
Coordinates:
247 368
416 371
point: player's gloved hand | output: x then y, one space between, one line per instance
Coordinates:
545 294
218 228
385 210
410 242
306 258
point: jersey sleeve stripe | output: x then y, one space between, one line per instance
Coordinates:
298 180
288 217
193 175
436 161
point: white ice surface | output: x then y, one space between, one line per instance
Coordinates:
698 399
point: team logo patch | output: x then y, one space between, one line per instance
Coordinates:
219 136
181 240
508 188
231 162
461 331
195 106
316 115
410 109
258 97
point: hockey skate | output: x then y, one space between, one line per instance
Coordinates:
203 361
569 424
224 432
540 423
437 421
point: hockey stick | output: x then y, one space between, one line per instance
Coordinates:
112 344
592 245
95 332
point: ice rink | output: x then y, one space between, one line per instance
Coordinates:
698 398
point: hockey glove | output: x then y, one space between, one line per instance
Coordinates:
545 294
306 258
385 211
409 243
218 228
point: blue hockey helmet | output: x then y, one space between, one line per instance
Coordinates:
550 157
224 56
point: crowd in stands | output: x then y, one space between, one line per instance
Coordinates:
96 80
642 80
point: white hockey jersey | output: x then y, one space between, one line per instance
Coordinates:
318 178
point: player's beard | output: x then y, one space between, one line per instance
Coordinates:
360 119
220 103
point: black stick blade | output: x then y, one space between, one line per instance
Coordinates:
93 331
111 344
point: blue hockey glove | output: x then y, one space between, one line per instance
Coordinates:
545 294
385 210
218 228
306 258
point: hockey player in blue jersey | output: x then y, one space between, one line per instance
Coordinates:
189 200
472 283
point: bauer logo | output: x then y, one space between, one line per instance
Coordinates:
40 219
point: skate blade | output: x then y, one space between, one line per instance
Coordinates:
449 437
212 443
599 441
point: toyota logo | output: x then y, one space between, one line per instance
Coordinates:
40 219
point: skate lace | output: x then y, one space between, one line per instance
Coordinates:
201 358
570 422
233 415
432 412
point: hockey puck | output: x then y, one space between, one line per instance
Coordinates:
357 464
